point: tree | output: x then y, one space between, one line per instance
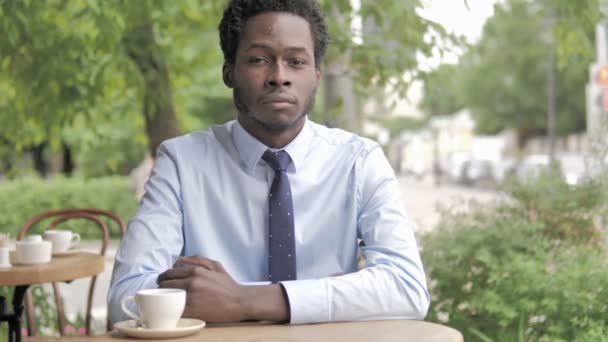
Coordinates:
441 90
98 66
505 74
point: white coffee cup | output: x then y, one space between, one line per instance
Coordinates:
5 260
5 239
33 250
158 308
62 239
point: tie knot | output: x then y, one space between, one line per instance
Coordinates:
278 161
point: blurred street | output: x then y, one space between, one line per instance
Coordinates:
421 199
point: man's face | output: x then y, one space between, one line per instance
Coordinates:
274 75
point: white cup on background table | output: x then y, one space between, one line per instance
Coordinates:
62 240
5 260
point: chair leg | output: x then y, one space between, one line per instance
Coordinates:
60 313
108 323
90 305
30 313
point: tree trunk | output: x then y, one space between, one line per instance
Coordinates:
68 161
527 131
38 157
158 110
340 103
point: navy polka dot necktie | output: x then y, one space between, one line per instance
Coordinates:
281 237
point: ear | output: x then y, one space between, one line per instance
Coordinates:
227 72
318 74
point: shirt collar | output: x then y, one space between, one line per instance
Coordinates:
251 149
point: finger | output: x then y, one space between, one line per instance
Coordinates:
219 267
174 284
207 263
186 261
176 273
178 262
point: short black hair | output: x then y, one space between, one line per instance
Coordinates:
239 11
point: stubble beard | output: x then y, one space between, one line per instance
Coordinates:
271 128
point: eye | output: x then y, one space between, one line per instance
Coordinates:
298 62
258 60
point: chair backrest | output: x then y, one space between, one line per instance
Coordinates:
58 217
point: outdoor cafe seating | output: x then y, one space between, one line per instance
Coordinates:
65 266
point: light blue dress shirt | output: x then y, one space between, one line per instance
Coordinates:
208 195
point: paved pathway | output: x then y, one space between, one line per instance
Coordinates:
422 200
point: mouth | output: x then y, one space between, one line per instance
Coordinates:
278 100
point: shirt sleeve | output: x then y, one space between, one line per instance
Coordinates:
153 240
392 285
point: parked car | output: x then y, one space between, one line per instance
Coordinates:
572 167
477 172
532 166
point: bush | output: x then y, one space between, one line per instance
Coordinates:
532 268
567 211
23 199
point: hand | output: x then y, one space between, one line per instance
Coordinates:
211 293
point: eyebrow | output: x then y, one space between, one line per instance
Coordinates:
268 47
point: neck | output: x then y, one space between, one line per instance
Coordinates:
275 139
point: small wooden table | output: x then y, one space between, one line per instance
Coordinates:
65 268
382 331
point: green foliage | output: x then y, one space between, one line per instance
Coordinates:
65 75
442 91
521 270
394 37
568 211
573 21
509 66
46 312
25 198
109 148
503 77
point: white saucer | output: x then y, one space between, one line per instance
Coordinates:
185 327
66 253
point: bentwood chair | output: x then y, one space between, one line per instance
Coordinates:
99 218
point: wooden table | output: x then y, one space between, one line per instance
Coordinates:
377 331
65 268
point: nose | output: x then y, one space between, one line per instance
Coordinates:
278 76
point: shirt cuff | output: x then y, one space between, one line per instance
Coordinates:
308 300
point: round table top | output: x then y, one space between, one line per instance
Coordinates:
64 268
387 331
384 331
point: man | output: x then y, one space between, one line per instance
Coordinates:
273 197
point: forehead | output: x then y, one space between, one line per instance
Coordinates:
278 29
